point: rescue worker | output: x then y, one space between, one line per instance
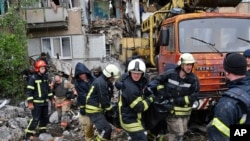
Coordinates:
247 56
179 86
64 91
134 56
233 107
96 71
38 94
83 81
99 101
43 56
26 73
133 100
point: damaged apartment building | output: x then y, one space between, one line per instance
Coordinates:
87 31
72 31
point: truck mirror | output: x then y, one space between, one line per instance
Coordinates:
164 36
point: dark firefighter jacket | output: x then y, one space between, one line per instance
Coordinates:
230 110
81 86
132 103
99 96
38 90
182 91
248 73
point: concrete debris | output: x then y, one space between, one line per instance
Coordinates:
3 103
99 23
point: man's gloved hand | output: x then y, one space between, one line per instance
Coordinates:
161 92
164 106
74 96
118 85
193 98
113 112
82 111
148 91
152 84
69 95
30 105
179 101
151 98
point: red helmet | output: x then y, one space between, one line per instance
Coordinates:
39 63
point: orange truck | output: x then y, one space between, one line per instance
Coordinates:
198 28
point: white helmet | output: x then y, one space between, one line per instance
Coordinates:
186 58
137 65
111 70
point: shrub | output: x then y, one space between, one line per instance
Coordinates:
13 54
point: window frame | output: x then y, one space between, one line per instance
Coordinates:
51 48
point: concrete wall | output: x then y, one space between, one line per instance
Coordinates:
74 26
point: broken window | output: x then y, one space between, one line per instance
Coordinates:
63 3
105 9
57 46
108 49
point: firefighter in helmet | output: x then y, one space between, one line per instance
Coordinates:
134 101
64 91
99 101
96 71
38 94
180 86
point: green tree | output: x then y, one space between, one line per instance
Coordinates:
13 54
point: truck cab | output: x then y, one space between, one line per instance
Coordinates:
208 37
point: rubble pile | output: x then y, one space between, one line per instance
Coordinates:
98 23
14 120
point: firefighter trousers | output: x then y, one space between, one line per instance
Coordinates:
39 116
87 127
138 136
177 127
63 108
103 127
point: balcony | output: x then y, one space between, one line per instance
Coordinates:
45 18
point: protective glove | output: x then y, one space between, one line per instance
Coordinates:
112 112
151 98
179 101
164 106
69 95
161 92
193 98
152 84
148 91
118 85
31 105
74 96
82 111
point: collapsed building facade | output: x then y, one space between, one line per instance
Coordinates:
88 31
79 31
